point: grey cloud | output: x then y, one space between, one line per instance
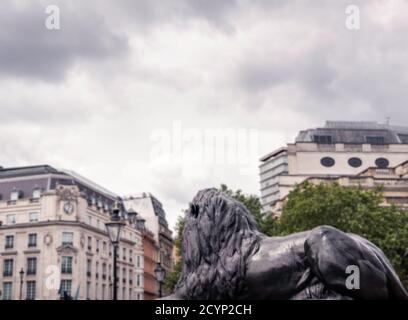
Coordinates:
29 50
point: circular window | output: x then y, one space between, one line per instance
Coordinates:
327 162
382 163
355 162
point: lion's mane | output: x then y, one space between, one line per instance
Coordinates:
219 237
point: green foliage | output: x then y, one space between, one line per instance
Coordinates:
172 278
266 224
350 209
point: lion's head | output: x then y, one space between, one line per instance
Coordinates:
219 236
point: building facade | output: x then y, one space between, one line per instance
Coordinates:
52 232
151 254
335 150
151 210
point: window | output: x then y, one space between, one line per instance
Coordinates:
96 291
130 255
97 270
88 290
130 294
103 291
355 162
138 261
97 245
66 287
7 290
124 294
9 243
11 219
32 240
138 280
124 254
104 270
31 266
66 265
36 193
375 140
90 243
403 138
327 162
88 267
33 216
382 163
15 195
104 246
31 286
323 139
8 268
67 238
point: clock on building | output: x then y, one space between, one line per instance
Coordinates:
69 207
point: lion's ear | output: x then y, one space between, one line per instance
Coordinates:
194 209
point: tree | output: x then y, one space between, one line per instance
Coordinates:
172 278
266 223
350 209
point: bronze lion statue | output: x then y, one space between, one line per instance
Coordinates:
226 257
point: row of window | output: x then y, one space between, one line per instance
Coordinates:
12 217
328 139
65 289
31 287
107 246
9 242
105 270
8 267
17 194
355 162
107 294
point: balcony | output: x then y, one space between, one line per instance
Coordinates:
66 270
31 272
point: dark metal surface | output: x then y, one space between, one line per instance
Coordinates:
226 257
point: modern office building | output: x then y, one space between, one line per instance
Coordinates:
335 150
151 210
53 241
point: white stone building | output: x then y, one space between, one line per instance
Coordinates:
335 150
151 210
52 227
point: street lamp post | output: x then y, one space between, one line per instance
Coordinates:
114 228
160 273
21 283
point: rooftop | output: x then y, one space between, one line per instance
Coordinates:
46 177
355 132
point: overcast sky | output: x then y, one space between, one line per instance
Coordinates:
127 91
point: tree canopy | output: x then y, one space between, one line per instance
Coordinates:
350 209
